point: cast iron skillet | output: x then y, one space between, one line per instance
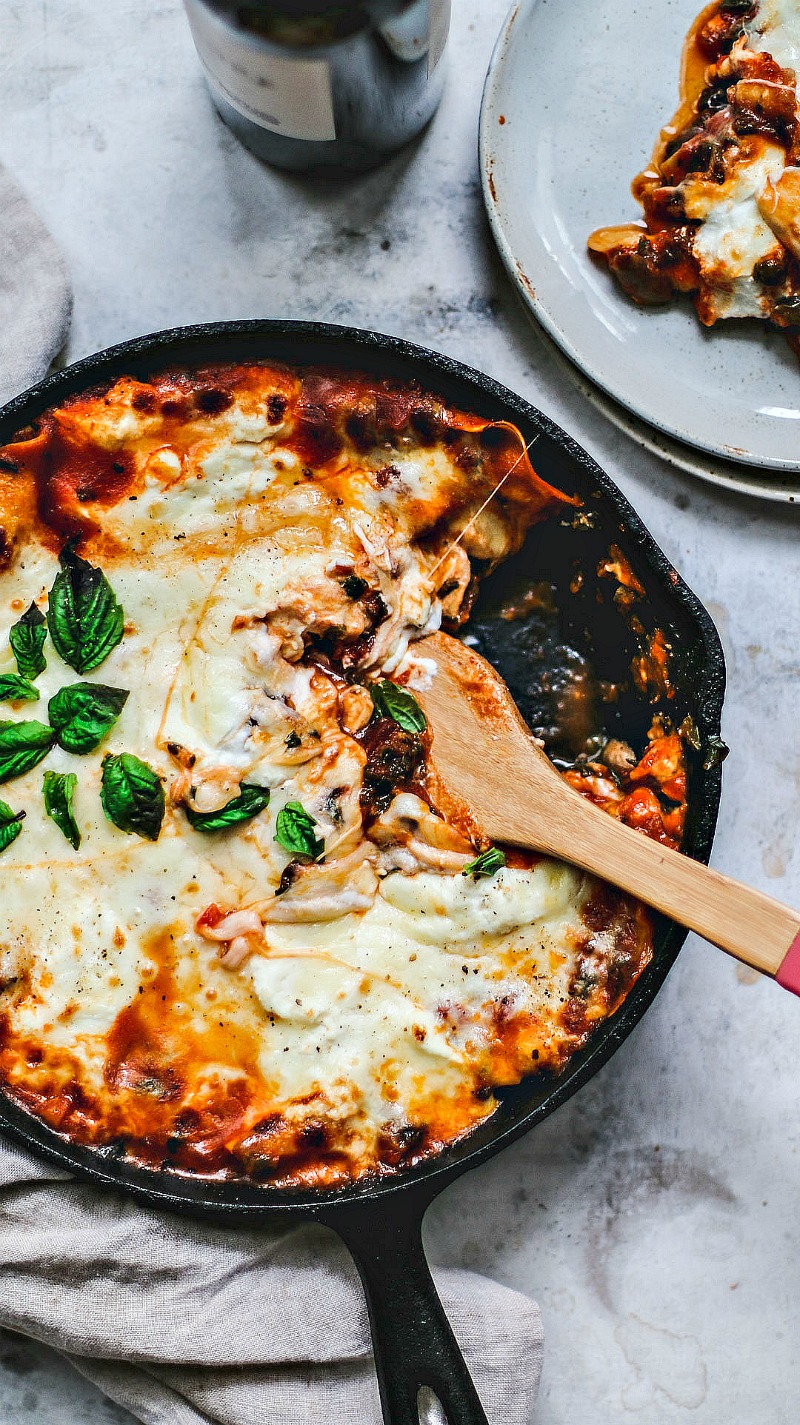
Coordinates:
579 618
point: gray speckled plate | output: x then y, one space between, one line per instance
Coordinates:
565 126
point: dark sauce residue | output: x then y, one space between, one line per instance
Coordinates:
564 635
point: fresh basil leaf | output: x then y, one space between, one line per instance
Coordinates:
250 801
59 789
487 864
84 618
17 690
10 825
294 831
83 713
132 796
27 642
22 746
398 703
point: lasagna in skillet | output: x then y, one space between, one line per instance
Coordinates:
721 196
238 937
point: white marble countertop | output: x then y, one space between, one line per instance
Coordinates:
651 1217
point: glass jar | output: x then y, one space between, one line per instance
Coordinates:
323 83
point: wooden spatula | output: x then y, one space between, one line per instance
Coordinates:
486 757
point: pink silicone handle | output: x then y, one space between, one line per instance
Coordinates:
789 970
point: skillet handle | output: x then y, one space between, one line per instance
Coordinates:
412 1339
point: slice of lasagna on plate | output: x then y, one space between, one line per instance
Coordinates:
721 196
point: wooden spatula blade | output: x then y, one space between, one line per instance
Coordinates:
487 758
479 738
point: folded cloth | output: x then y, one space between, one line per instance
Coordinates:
187 1324
35 293
180 1322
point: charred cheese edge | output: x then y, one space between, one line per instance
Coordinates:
278 540
721 197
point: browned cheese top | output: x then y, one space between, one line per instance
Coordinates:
237 935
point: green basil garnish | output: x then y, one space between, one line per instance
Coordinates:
22 746
17 690
59 789
85 621
487 864
294 831
132 796
10 825
83 713
27 642
250 801
399 704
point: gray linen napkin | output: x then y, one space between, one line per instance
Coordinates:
185 1324
182 1323
35 293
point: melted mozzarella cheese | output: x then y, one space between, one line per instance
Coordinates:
734 236
455 910
368 998
410 980
776 31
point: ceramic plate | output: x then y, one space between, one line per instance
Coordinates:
565 126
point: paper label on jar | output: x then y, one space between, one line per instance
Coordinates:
283 94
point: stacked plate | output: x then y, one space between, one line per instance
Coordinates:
575 97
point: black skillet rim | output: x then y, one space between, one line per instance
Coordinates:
325 343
